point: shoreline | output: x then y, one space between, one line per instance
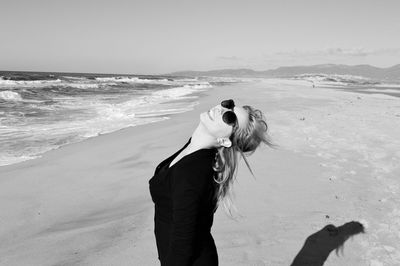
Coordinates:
89 203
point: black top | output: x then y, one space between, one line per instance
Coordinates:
184 209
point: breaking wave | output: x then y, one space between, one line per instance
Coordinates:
10 96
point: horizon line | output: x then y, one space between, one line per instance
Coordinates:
165 74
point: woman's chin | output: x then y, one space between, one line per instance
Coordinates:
203 116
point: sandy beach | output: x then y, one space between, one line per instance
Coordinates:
337 161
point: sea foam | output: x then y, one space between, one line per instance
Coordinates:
5 82
10 96
131 80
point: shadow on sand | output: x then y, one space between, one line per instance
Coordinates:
319 245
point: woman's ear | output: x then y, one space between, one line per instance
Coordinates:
225 142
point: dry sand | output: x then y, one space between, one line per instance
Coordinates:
88 203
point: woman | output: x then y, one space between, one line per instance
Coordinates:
188 186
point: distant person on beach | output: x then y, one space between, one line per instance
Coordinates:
188 186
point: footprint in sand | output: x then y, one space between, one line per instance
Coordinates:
332 178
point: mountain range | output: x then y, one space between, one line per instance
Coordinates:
368 71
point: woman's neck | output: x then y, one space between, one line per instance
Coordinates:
201 139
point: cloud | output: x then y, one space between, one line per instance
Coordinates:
338 52
361 51
345 51
228 58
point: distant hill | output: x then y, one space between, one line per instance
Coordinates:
390 73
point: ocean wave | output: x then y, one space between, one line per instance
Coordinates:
179 92
50 115
205 85
10 96
64 81
27 76
80 85
12 159
12 83
132 80
75 78
145 105
115 112
188 80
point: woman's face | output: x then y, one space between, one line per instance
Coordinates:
213 122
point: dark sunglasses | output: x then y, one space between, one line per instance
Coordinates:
229 117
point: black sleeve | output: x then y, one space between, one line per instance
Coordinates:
186 189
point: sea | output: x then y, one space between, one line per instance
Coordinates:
44 111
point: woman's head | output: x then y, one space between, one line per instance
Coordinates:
241 133
243 128
249 136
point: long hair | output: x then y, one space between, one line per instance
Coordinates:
244 142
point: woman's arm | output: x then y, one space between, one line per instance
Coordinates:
187 184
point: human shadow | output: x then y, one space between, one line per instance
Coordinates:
319 245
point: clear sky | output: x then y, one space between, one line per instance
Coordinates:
151 37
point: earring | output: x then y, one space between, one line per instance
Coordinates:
224 142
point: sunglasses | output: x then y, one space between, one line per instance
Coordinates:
229 117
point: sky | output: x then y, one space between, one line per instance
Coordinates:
156 37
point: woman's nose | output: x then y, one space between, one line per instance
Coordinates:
220 109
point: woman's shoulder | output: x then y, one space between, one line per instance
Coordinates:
196 168
199 160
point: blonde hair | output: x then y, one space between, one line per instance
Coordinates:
244 141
